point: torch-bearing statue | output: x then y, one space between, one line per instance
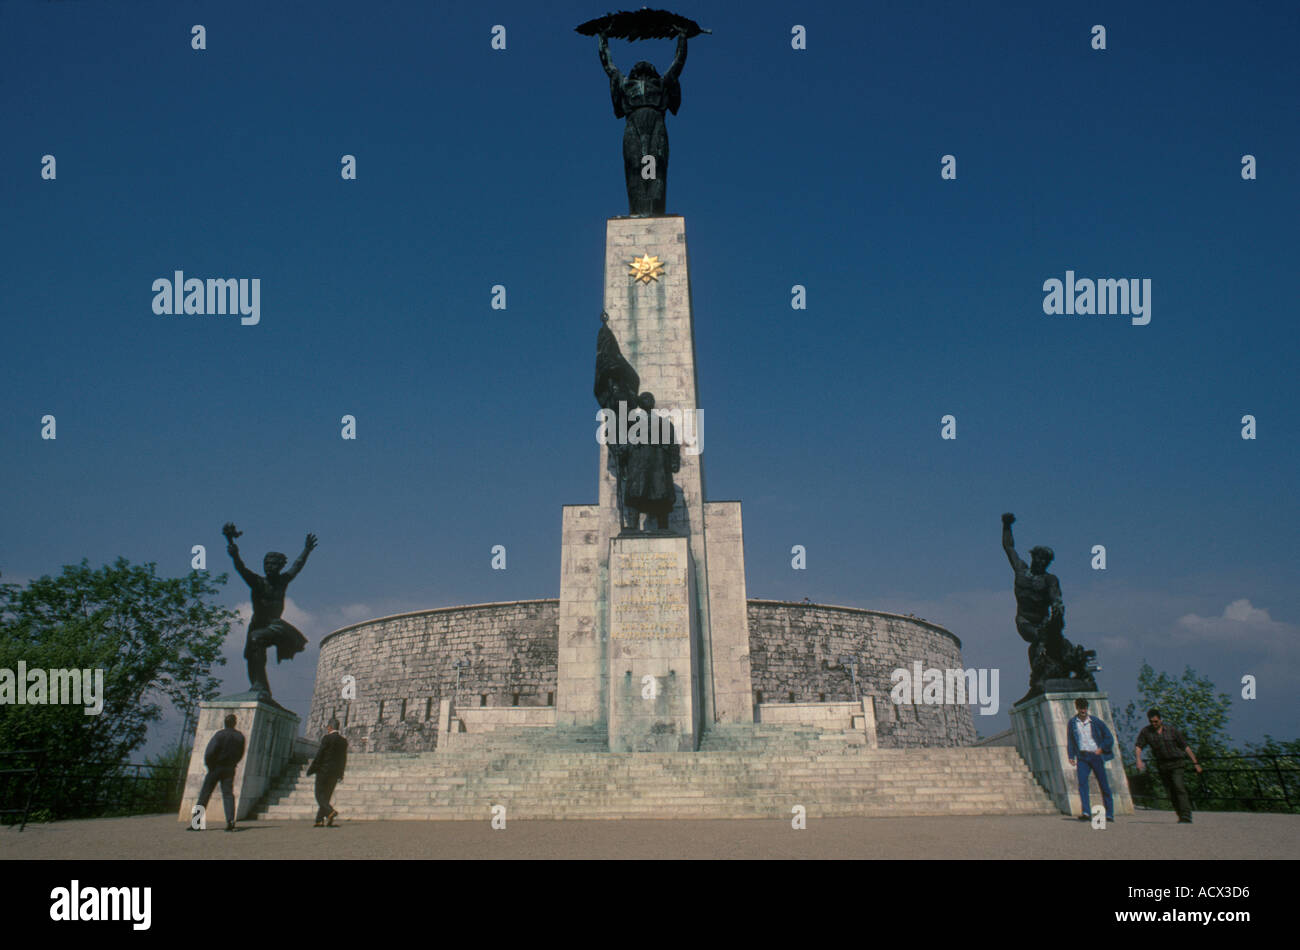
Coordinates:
266 629
1054 662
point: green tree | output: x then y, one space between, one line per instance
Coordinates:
1271 746
175 756
1190 703
167 771
1244 782
152 636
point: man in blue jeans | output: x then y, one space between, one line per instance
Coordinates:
1091 743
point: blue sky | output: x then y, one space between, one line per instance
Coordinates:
817 167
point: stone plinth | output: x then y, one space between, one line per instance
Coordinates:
654 644
652 320
581 663
1040 726
858 716
731 684
270 734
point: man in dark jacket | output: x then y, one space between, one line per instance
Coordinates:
331 759
1169 746
1091 743
223 753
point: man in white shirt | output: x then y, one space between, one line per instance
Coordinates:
1091 743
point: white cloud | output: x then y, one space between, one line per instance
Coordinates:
1241 623
354 613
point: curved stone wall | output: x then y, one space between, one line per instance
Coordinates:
795 651
407 663
410 659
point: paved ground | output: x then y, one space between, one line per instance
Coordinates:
1145 835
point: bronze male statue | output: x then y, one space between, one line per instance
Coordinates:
651 464
266 628
1040 621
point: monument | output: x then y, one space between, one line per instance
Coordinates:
663 616
652 643
1059 673
652 687
269 729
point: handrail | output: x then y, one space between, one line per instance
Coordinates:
88 789
1268 774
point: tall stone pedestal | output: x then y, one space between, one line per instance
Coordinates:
654 644
1040 725
654 324
269 734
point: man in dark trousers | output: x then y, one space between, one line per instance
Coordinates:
1169 746
223 753
331 759
1090 742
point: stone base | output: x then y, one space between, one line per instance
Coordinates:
728 633
1068 684
270 732
858 717
252 696
1040 726
654 325
654 644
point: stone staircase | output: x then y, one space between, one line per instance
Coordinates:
761 739
525 740
740 772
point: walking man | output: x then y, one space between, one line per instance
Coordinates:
1091 743
331 759
1169 746
223 753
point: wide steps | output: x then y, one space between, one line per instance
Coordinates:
758 772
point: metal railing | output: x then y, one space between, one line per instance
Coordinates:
34 786
19 782
1260 782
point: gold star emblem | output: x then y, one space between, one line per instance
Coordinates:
646 268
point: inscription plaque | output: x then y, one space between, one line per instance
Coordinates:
649 598
653 645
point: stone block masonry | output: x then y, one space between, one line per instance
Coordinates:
654 324
1040 724
405 665
654 645
795 652
563 654
516 648
270 741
